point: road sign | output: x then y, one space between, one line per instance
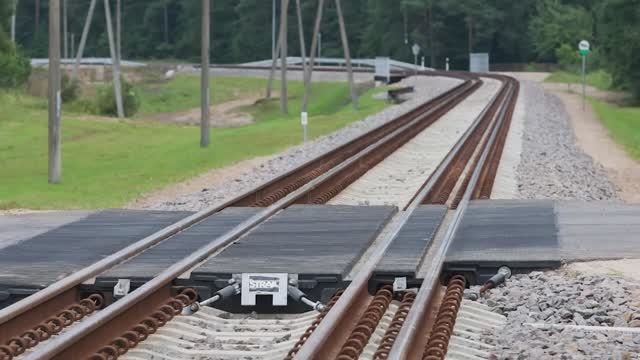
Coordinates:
584 46
416 49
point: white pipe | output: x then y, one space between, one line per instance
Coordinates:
316 305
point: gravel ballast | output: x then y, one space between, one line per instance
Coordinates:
426 88
565 298
396 179
552 166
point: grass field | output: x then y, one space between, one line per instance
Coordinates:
599 79
178 94
109 163
623 124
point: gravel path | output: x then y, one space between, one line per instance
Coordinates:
566 298
552 166
216 193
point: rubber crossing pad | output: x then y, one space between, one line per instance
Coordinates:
50 256
598 230
506 231
404 255
302 239
168 252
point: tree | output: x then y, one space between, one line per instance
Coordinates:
424 7
556 24
620 42
255 39
14 67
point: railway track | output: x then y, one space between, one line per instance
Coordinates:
417 332
53 324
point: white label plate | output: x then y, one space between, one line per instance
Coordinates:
400 284
254 284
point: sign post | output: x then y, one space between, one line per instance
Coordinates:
584 46
304 121
416 51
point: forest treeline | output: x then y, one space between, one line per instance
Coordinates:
511 31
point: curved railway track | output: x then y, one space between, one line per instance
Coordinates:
69 329
411 330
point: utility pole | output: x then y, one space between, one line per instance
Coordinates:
275 44
118 30
304 120
312 56
303 48
73 43
166 24
117 88
204 76
83 39
13 21
65 39
284 101
272 72
37 19
432 52
347 55
273 30
470 33
55 158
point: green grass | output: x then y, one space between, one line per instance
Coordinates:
623 124
599 79
182 92
107 163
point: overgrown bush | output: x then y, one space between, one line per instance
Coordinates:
568 57
70 89
106 100
14 67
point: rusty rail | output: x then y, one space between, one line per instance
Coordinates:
401 343
411 338
87 337
27 313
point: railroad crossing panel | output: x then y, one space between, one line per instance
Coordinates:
534 234
404 255
45 258
148 264
303 239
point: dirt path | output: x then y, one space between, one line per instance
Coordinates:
227 114
629 268
214 178
594 140
614 97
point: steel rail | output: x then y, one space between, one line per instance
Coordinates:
66 340
403 347
322 336
14 310
261 192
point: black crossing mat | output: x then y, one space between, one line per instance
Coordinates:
302 239
404 255
598 230
168 252
50 256
506 231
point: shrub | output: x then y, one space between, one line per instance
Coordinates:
70 89
14 68
106 100
568 57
